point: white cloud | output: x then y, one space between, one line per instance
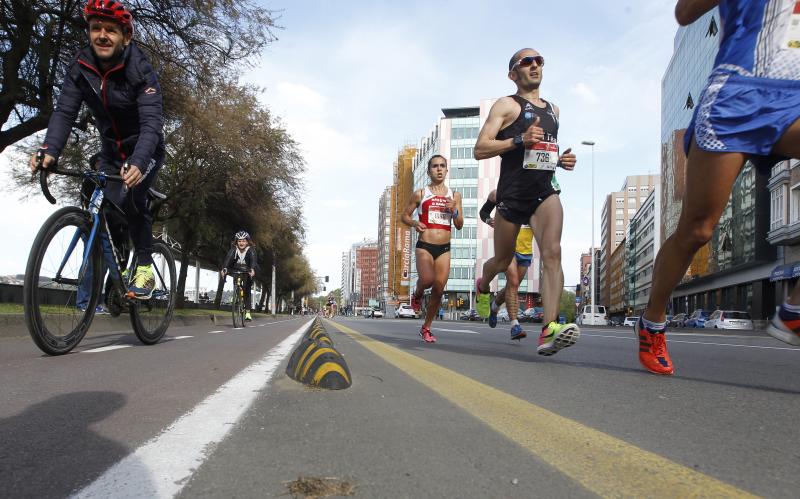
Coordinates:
583 91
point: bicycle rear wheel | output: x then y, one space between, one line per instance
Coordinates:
57 282
242 304
150 318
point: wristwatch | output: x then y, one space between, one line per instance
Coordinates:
518 140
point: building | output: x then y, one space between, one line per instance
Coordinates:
454 137
352 278
619 208
366 275
784 227
733 270
615 276
642 242
583 295
384 242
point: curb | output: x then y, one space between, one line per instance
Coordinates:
315 362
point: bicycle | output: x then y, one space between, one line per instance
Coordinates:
71 244
238 309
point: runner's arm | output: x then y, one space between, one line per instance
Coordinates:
689 11
487 145
410 207
458 221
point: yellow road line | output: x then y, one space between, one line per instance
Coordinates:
605 465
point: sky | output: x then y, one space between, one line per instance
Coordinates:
353 82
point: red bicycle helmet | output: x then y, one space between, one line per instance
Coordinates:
109 9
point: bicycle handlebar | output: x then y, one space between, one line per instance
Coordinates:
97 177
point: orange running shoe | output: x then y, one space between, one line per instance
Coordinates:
427 336
653 353
785 326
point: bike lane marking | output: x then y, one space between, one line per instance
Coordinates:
465 331
603 464
105 349
215 332
164 464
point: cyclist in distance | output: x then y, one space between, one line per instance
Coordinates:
119 86
242 258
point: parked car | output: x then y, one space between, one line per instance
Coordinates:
596 317
630 321
404 311
377 314
697 319
502 315
678 320
615 321
729 319
534 314
469 315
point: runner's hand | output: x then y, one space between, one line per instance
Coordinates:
568 160
533 134
252 272
47 161
132 177
451 205
420 227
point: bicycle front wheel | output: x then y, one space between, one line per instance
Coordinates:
150 318
61 290
236 304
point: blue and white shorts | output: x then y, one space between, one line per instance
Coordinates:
523 260
744 114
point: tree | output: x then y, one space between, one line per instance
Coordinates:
188 42
567 305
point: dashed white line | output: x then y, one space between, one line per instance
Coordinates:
171 338
106 349
465 331
163 465
215 332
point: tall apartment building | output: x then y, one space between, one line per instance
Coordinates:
618 209
733 269
454 137
616 281
385 250
642 242
359 286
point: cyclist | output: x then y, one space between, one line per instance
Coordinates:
118 85
523 256
750 109
439 208
242 258
523 130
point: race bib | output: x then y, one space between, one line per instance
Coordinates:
541 156
791 40
439 216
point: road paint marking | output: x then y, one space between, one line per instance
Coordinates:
106 349
163 465
215 332
171 338
732 345
605 465
466 331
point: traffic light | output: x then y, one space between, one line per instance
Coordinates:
577 289
326 278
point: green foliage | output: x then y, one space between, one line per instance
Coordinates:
567 305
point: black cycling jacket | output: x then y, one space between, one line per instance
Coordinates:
125 102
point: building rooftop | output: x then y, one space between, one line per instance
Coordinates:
461 112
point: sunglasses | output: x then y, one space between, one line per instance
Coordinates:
527 61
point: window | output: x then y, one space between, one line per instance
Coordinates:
631 211
632 189
642 199
795 204
619 222
620 212
644 188
620 201
776 212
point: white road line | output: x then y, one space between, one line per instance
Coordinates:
704 343
215 332
170 338
106 349
456 330
163 465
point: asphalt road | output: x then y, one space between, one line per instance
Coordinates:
210 413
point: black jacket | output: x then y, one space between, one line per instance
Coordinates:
125 102
229 262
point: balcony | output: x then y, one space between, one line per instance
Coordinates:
785 234
780 174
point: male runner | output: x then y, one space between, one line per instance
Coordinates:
118 85
517 269
750 109
523 130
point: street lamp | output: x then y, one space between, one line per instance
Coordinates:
591 299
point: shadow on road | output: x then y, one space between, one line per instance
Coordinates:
49 450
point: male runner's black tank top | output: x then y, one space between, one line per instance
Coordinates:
516 182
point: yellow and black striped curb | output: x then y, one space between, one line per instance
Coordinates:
315 362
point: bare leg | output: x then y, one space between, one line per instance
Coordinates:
425 271
505 238
442 270
511 291
702 208
547 223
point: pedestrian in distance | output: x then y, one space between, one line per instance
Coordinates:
523 130
749 109
439 208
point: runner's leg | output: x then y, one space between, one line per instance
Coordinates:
547 223
425 271
505 238
442 272
702 208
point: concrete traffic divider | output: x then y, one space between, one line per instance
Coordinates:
315 362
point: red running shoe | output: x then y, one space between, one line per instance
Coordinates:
416 303
785 326
427 336
653 353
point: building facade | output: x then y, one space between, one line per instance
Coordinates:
733 269
367 275
615 276
642 242
784 227
619 208
384 242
